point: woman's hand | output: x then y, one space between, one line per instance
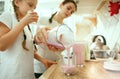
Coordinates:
41 35
55 48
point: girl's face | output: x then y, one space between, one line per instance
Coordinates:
67 9
25 5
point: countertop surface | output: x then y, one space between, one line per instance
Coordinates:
90 70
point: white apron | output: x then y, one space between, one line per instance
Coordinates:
17 63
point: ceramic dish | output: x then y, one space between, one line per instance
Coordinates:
114 65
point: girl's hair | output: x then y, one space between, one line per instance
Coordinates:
15 11
64 2
103 38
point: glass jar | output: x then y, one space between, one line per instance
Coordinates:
67 64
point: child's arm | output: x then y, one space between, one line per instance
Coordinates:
9 36
46 62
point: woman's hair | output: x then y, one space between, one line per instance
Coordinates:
68 1
64 2
25 37
103 38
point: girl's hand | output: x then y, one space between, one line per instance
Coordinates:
48 63
30 17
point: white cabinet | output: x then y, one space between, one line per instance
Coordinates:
5 5
2 7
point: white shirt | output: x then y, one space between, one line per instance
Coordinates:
42 49
16 62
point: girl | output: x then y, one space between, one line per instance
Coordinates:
67 8
16 44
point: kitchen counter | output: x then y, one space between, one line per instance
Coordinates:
91 70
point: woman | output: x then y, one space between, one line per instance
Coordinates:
67 8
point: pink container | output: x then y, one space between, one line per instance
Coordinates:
79 51
68 69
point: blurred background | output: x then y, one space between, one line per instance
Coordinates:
92 18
